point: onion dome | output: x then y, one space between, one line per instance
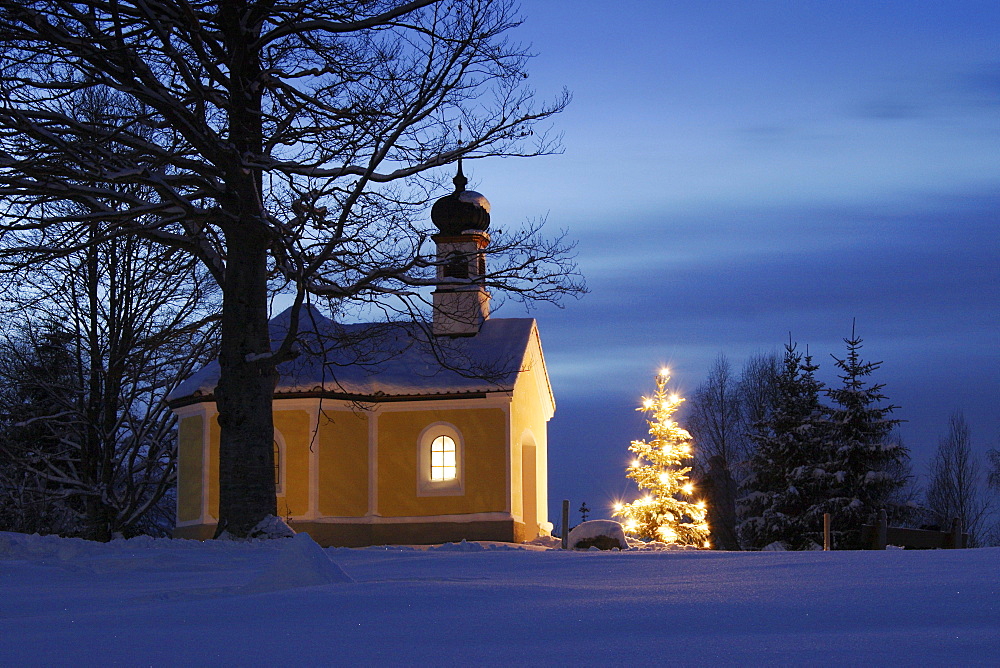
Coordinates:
462 210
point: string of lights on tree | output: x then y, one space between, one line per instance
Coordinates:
669 511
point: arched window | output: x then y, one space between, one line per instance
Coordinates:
457 266
279 463
277 468
440 454
443 464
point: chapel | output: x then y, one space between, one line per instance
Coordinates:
397 433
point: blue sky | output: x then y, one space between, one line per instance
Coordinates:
735 171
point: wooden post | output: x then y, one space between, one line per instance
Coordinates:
565 523
957 539
827 543
881 536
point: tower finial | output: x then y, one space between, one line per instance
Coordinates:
460 181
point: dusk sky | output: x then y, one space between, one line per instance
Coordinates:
735 171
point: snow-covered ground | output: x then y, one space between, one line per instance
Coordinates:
161 602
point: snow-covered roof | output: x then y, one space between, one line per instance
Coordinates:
387 360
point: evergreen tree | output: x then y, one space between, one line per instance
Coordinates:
39 401
661 466
869 467
785 488
993 477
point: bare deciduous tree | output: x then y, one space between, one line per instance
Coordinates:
953 490
715 415
757 389
714 420
95 340
281 143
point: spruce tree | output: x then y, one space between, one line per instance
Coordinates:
662 466
40 396
785 488
869 467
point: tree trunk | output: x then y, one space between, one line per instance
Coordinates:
96 523
247 377
245 390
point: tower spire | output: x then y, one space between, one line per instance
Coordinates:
460 181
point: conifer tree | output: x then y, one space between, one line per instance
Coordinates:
661 466
37 404
787 483
869 467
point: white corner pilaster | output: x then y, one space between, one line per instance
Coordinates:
314 445
373 463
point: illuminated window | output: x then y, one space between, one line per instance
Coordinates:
440 450
443 463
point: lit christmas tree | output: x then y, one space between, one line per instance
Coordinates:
668 512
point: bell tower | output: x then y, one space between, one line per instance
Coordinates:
461 303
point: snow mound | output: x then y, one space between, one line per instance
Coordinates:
44 548
464 546
779 546
546 541
268 528
657 546
271 527
473 546
591 531
300 563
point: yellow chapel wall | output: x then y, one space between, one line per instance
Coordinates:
531 409
294 427
484 433
190 446
213 469
343 463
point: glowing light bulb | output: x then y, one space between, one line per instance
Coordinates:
708 544
664 372
688 488
618 507
647 403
